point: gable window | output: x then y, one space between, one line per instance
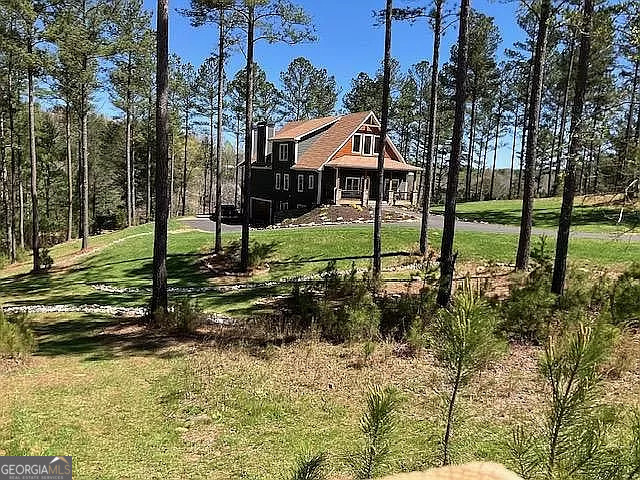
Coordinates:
376 145
301 183
356 146
277 181
368 145
311 181
283 152
285 181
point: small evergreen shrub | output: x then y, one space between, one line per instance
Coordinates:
16 337
406 313
625 297
377 424
310 467
46 261
183 317
259 253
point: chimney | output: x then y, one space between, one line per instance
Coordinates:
261 143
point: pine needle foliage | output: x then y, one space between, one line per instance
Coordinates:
377 424
464 342
311 466
575 428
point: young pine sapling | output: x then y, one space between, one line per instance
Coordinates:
464 342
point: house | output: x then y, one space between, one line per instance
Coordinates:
329 160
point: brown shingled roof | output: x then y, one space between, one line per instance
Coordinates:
370 163
330 141
302 127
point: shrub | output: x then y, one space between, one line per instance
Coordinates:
259 253
46 261
184 316
16 337
528 312
405 313
625 297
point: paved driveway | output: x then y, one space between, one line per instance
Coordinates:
436 221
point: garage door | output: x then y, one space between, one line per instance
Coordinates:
260 211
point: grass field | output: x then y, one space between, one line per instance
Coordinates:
128 403
123 260
590 214
127 406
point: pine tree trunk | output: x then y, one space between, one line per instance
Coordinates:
67 122
127 144
5 186
553 149
248 144
237 169
35 220
484 166
149 159
575 144
620 172
384 123
218 239
431 146
12 173
563 117
85 169
495 153
472 134
172 176
159 300
524 241
447 257
184 163
513 151
133 185
523 138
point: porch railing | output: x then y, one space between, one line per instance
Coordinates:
351 193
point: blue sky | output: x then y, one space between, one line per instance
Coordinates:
348 42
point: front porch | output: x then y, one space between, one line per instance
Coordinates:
360 186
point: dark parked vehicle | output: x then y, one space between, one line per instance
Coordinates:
230 215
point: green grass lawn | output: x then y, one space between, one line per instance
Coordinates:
588 216
125 260
126 403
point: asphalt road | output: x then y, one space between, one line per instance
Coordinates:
436 221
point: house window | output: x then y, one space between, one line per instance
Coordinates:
277 181
376 145
357 143
352 184
311 182
284 205
368 145
285 181
284 152
301 183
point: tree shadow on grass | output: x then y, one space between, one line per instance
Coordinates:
582 216
98 337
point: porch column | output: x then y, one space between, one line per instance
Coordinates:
337 193
365 190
